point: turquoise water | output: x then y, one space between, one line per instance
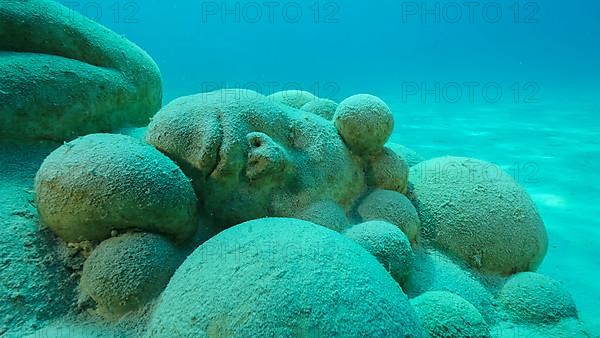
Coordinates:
518 88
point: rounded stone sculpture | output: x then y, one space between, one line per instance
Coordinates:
250 158
365 123
393 207
293 97
477 212
103 182
410 156
535 298
388 244
282 277
63 75
444 314
322 107
388 171
124 273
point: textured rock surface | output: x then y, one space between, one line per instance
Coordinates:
444 314
104 182
64 75
323 107
393 207
477 212
365 123
293 98
282 277
327 214
388 244
124 273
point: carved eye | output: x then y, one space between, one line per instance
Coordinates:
265 157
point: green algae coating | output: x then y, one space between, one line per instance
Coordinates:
63 75
475 211
535 298
124 273
388 244
446 315
103 182
282 277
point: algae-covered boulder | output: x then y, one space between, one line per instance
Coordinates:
477 212
323 107
388 244
411 157
103 182
294 98
124 273
365 123
249 157
535 298
444 314
64 75
326 213
433 271
393 207
388 171
279 278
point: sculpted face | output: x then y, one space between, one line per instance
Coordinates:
63 75
249 157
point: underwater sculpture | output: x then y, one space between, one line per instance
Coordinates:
248 157
63 75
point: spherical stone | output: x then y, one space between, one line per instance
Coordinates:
282 277
433 271
535 298
388 244
411 157
293 98
126 272
388 171
365 123
444 314
323 107
475 211
393 207
326 213
103 182
566 328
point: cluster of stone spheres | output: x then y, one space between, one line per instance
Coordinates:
238 214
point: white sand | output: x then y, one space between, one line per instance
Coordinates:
564 148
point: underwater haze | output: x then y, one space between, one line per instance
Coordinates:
514 83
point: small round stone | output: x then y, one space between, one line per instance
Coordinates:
388 171
444 314
365 123
536 298
393 207
124 273
388 244
293 98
